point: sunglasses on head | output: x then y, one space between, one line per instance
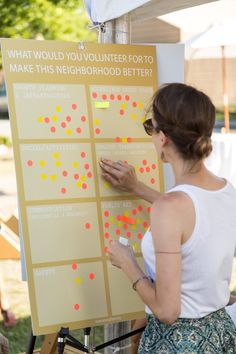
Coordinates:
149 128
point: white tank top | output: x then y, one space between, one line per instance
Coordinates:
207 256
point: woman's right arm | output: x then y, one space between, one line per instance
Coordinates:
123 177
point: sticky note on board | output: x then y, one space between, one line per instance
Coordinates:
128 220
99 104
124 241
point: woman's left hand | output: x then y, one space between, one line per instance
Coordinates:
121 256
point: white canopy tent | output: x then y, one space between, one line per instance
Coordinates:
105 10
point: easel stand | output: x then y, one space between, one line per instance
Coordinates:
64 338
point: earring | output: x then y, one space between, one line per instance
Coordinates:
162 157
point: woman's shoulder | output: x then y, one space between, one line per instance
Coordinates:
171 202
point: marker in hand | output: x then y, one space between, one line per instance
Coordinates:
123 241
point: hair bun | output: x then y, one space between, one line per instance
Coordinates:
200 148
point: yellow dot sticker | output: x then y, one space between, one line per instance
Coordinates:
79 184
135 247
68 131
96 121
111 219
140 105
56 155
133 227
75 164
126 213
58 109
124 140
43 176
41 163
143 119
40 119
138 221
106 185
123 105
53 178
78 280
58 163
119 223
83 178
133 116
54 118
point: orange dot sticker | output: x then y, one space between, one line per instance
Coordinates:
74 106
83 119
74 266
63 124
94 95
119 97
76 307
118 140
53 129
129 139
112 97
30 163
104 97
63 190
134 104
76 176
91 276
83 154
64 173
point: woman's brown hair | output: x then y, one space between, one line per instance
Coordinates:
187 116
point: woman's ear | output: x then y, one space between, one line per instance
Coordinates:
164 138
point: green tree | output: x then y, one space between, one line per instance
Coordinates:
56 19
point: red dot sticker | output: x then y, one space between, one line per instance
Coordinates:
140 208
87 225
127 97
112 97
30 163
110 241
144 162
134 211
104 97
119 217
148 209
63 124
129 139
46 120
86 166
74 106
83 118
105 249
141 169
145 224
139 236
76 176
74 266
53 129
125 226
94 95
106 235
118 232
152 180
64 173
154 166
128 234
122 112
78 130
106 213
84 186
119 97
106 225
76 307
147 169
91 276
83 154
63 190
118 140
97 131
134 104
68 118
89 174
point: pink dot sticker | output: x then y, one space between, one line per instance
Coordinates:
106 235
83 154
89 174
144 162
94 95
63 124
154 166
106 225
119 97
97 131
106 213
63 190
87 225
74 266
74 106
91 276
53 129
83 119
141 169
76 307
122 112
76 176
127 98
118 140
46 119
84 186
86 166
134 104
128 234
64 173
104 97
30 163
68 118
147 169
152 180
112 97
78 130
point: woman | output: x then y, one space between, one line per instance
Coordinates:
189 249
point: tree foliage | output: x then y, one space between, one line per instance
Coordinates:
50 19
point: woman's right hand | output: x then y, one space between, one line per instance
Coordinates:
120 175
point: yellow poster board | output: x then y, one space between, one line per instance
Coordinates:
69 106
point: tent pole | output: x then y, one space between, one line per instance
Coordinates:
117 31
225 91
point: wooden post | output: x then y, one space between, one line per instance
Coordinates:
117 31
225 91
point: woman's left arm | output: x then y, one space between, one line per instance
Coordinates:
163 297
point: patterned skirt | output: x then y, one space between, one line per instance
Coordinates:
212 334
